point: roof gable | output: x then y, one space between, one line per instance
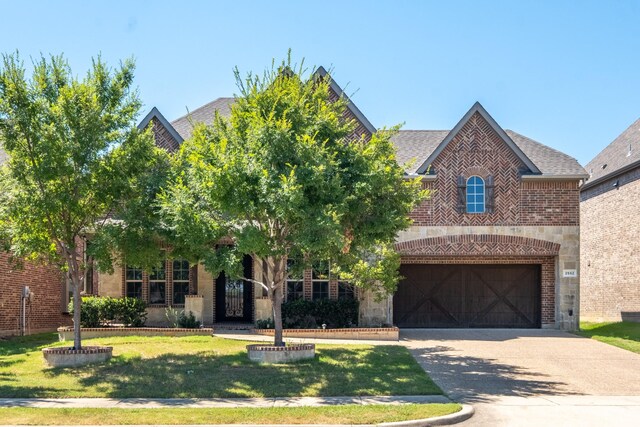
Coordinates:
156 114
320 71
205 113
478 108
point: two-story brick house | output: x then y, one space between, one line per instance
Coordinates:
610 249
496 245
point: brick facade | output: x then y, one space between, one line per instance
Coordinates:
532 221
478 150
610 285
163 137
45 309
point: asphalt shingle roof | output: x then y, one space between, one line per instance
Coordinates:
622 152
413 146
419 144
204 114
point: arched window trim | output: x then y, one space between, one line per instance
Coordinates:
476 197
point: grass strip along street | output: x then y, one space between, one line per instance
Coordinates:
338 414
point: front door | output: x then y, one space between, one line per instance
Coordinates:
233 296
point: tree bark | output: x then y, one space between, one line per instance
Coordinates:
77 301
277 296
276 302
74 276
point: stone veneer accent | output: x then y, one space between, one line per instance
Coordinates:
555 248
610 247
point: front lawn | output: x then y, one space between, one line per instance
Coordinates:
207 367
338 414
621 334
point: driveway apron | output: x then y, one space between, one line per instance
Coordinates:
531 376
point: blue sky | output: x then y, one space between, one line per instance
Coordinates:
565 73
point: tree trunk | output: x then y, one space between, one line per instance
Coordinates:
276 302
76 278
278 266
77 301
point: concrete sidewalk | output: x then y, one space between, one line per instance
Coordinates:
218 403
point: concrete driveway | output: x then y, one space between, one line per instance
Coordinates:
531 377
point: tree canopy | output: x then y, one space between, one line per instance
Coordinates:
75 159
286 178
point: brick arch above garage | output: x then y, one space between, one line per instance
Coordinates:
478 245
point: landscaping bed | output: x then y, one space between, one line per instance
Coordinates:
207 367
336 414
378 334
625 335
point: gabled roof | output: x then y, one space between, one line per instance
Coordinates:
621 155
477 108
155 113
422 146
350 105
204 114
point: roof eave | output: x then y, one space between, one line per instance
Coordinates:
478 108
556 177
350 105
610 175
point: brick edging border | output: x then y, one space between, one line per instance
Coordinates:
83 350
291 347
390 329
132 329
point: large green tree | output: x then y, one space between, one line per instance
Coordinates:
285 179
75 161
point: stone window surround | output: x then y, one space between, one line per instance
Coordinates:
168 284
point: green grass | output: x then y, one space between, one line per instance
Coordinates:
621 334
201 366
339 414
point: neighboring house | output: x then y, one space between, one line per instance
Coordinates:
44 310
496 245
610 250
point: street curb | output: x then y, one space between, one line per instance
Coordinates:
464 414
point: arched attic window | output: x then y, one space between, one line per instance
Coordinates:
476 195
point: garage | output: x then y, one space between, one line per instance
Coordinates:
468 296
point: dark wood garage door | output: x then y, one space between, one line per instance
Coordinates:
468 296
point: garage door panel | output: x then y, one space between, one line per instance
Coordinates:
468 296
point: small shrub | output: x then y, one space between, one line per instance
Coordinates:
172 316
179 319
188 321
264 324
132 311
306 314
89 312
105 311
109 310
